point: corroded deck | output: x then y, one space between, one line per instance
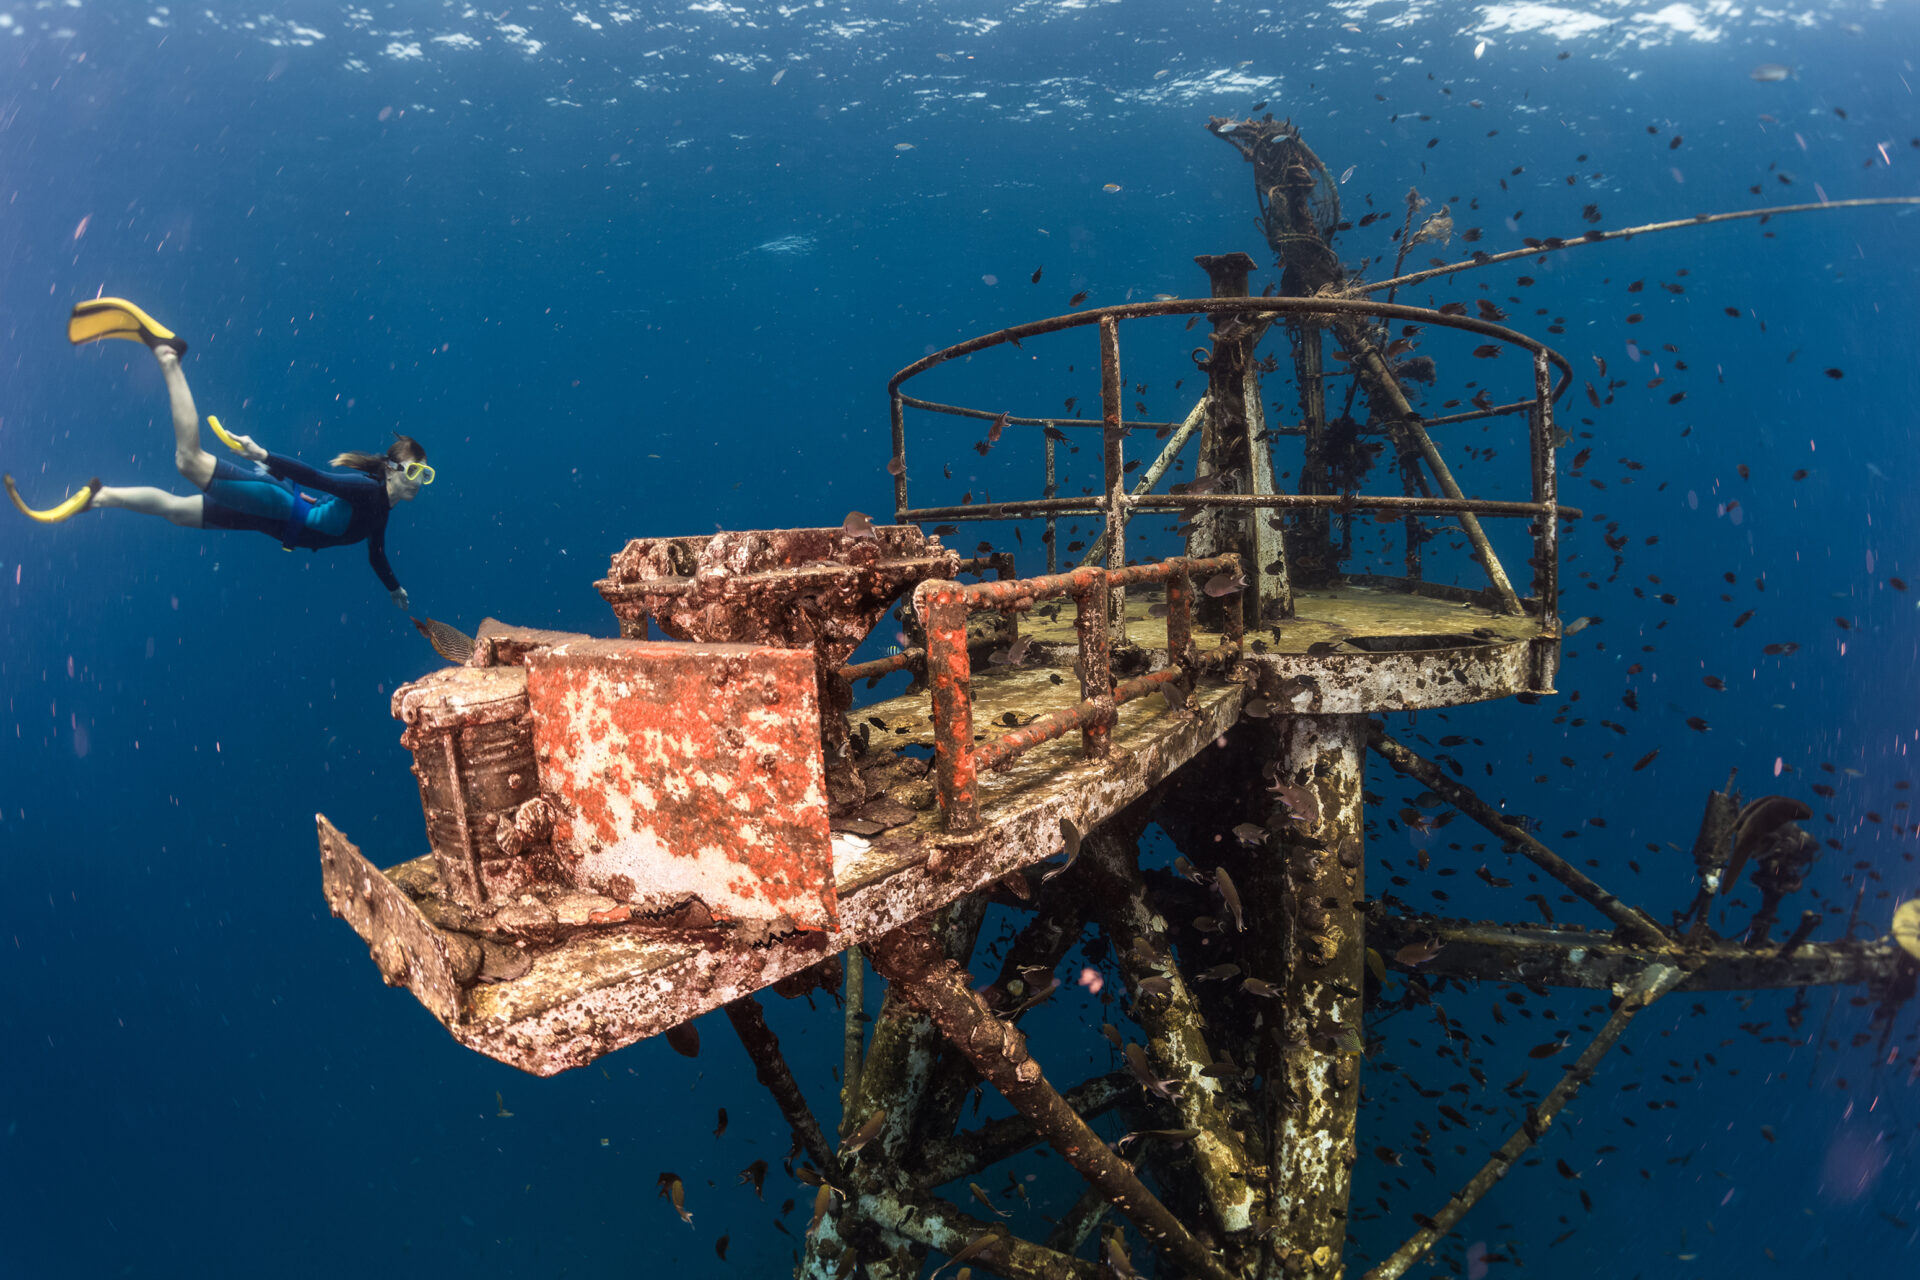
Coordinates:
590 990
602 988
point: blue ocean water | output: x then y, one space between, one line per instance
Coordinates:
632 270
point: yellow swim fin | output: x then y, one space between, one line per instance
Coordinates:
73 506
220 433
98 318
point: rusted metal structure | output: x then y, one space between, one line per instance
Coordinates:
628 832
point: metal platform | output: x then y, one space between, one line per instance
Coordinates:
554 979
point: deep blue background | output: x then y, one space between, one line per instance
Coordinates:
621 285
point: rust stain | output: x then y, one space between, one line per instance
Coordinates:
688 771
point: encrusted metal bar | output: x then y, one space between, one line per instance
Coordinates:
1341 502
909 957
1565 956
1273 579
938 1225
855 1000
963 1155
1546 488
1091 622
1654 982
949 671
1636 922
1052 538
1097 550
1390 399
1175 1029
770 1068
1314 873
1113 395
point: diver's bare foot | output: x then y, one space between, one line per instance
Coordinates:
166 355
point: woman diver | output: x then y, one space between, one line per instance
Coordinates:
266 493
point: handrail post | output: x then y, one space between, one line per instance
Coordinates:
1113 397
1236 619
1180 623
1096 661
899 416
943 612
1546 485
1052 538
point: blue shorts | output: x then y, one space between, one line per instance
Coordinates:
245 495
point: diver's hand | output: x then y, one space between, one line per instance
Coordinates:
251 449
399 595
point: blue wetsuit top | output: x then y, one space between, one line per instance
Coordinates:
267 498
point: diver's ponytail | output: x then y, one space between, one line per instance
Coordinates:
404 449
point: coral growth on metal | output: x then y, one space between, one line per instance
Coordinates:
820 589
687 772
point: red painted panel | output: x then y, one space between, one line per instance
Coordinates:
688 770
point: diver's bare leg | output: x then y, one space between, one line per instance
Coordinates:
195 463
185 512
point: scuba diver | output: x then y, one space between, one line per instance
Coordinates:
267 493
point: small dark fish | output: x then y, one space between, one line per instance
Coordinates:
453 645
977 1246
1077 298
1697 724
1250 834
1143 1071
1155 986
1836 374
1258 106
1645 760
1715 683
1112 1033
1220 973
1036 274
684 1040
1231 896
1417 953
994 429
1575 627
720 1247
721 1128
1775 649
1258 987
1258 708
822 1201
676 1191
1547 1050
755 1175
896 466
1566 1170
1070 842
1743 619
858 525
980 1193
1225 584
865 1133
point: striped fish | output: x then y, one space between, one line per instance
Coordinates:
450 644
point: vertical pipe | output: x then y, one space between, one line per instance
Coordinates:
950 672
1096 662
899 415
856 1003
1311 526
1180 621
1053 524
1113 394
1410 485
1546 488
1273 583
1312 1057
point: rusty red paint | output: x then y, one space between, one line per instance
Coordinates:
684 771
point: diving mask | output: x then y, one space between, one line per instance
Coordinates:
418 472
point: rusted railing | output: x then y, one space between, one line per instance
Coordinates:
1113 503
943 607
